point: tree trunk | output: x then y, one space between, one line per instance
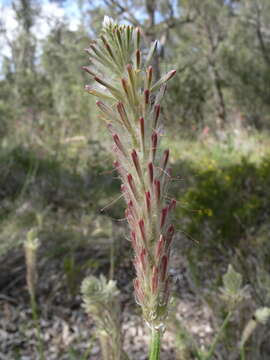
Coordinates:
219 96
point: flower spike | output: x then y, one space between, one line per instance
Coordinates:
129 101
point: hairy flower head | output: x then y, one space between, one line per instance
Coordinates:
129 102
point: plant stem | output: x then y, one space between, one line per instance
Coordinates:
218 336
242 352
37 326
155 345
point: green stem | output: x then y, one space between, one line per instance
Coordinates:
242 352
218 336
155 345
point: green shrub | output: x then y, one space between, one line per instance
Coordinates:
223 202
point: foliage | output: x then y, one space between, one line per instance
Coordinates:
226 200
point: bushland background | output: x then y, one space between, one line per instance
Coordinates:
57 175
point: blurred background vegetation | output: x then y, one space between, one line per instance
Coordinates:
56 162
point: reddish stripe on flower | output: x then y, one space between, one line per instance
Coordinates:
136 283
157 189
119 168
166 290
156 114
151 172
165 159
148 201
154 144
160 246
125 86
171 74
87 69
142 129
172 205
169 235
142 230
119 144
139 294
154 279
131 209
128 217
133 241
122 112
170 231
143 258
138 59
136 163
163 217
146 96
131 185
164 266
149 76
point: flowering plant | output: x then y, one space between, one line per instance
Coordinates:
129 102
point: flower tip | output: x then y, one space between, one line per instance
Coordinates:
129 177
107 21
172 205
88 70
172 73
171 230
